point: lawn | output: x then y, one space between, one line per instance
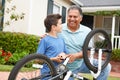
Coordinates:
5 67
109 78
8 68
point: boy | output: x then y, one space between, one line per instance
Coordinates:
51 45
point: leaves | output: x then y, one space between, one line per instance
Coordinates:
15 41
19 44
13 15
105 13
116 55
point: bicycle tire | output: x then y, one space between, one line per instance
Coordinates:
85 49
30 57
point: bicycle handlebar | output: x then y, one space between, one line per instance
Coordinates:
104 50
66 61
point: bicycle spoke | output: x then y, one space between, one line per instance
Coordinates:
30 67
97 47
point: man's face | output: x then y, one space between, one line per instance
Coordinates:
74 18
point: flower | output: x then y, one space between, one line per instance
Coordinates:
5 55
9 54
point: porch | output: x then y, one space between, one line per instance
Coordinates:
115 39
115 42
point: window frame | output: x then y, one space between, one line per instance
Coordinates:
58 5
2 17
107 29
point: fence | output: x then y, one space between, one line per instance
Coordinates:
116 42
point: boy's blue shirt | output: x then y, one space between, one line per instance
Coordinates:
51 47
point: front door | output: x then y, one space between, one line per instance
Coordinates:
88 21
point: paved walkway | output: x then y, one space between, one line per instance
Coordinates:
4 75
114 74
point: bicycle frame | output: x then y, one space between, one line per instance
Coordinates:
69 73
95 75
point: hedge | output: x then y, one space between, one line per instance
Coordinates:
115 55
22 44
13 41
19 44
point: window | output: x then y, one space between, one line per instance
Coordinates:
107 24
117 26
56 8
1 13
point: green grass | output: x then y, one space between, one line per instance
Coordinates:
91 78
5 67
113 78
9 68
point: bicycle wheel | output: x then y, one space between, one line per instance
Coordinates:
29 68
97 40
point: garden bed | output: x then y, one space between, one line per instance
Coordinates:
115 66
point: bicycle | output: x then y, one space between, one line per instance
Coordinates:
97 46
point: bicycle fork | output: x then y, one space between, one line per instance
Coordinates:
95 75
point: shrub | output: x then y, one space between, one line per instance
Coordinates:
115 55
19 44
16 57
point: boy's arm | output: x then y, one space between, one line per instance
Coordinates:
56 59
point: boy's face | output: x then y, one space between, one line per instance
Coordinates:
59 26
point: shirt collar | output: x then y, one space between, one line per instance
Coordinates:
67 29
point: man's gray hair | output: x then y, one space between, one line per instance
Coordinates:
77 8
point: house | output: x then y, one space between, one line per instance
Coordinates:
34 11
103 14
97 14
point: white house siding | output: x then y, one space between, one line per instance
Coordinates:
65 3
35 12
38 13
21 25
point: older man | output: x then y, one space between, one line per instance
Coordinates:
74 35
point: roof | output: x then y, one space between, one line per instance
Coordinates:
98 3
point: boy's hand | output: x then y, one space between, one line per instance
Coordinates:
57 59
62 56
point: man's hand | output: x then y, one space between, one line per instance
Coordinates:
42 36
75 56
72 58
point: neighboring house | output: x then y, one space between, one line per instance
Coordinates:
36 10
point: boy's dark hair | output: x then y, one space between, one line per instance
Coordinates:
77 8
50 20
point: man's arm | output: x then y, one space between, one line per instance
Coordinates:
75 56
